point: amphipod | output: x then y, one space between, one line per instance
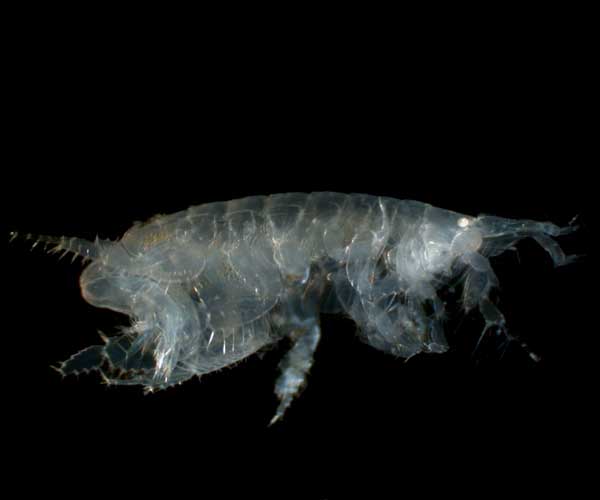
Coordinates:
211 285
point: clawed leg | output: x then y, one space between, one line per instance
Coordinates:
480 281
295 366
478 286
494 319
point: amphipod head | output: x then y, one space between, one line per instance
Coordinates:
447 237
500 234
444 237
494 235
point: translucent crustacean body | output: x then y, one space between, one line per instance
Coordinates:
211 285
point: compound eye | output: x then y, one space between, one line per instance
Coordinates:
464 222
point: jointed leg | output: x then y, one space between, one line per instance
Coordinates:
295 366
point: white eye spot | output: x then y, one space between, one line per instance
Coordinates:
463 222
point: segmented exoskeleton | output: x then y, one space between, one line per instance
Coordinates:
211 285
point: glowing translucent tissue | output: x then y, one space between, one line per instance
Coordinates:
211 285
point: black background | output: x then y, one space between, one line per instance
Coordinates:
105 129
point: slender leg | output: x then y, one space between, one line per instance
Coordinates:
480 281
295 366
495 319
478 285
